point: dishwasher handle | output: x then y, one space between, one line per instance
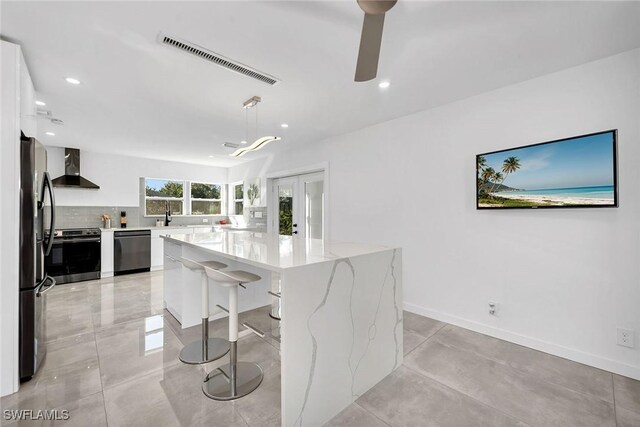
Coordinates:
138 233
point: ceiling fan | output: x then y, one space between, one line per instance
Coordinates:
371 38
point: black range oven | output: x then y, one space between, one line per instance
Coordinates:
75 255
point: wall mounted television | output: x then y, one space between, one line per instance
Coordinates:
576 172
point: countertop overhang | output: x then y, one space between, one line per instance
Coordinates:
273 252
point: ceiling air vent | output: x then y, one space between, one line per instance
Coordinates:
218 59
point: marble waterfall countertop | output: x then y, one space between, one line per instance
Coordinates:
340 305
273 252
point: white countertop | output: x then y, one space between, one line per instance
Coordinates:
271 251
179 227
151 227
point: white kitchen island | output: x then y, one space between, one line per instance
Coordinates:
341 310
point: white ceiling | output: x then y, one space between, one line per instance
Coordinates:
143 99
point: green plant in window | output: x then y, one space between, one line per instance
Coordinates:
169 189
286 216
205 191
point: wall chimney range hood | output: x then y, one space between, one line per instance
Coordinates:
71 177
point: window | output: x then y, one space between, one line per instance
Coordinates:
159 192
184 197
238 199
206 199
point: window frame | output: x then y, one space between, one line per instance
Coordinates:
186 198
179 199
232 198
221 199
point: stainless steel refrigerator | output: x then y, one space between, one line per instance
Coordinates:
36 238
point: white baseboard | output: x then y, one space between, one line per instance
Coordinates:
534 343
104 274
173 312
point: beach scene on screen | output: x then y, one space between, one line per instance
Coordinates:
573 172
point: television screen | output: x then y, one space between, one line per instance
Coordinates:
572 172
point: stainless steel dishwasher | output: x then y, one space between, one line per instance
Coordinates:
131 251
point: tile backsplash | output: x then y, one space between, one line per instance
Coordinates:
253 220
91 216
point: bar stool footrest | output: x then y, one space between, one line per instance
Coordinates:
253 329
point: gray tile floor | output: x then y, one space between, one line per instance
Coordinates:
112 360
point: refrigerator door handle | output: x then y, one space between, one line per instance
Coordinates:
42 291
46 183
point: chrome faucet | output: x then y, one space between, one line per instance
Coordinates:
167 213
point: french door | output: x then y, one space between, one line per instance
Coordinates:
299 205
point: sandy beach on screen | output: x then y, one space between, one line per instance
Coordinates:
555 200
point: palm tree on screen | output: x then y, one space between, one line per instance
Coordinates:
487 175
481 162
510 165
496 178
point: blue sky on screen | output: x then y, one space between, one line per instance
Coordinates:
579 162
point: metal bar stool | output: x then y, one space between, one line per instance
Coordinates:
237 379
206 349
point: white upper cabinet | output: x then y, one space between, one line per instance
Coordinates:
28 109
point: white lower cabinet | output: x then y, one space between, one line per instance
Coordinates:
106 253
157 245
157 253
172 279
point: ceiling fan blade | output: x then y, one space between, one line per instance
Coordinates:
370 41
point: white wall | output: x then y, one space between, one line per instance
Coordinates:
563 279
10 63
119 177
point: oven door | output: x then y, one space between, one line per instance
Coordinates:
74 259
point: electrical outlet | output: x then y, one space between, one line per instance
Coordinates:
492 308
205 219
626 337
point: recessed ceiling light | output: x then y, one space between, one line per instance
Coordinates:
40 104
211 157
284 125
72 81
50 133
384 85
243 142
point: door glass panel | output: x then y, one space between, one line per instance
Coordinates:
314 207
285 210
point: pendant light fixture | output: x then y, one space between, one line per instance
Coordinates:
258 143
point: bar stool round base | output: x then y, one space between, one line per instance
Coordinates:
217 383
194 354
